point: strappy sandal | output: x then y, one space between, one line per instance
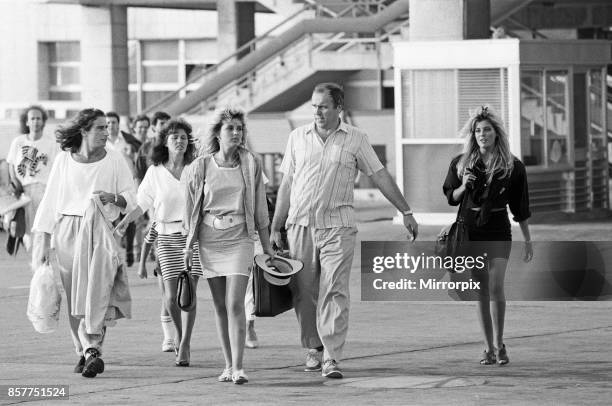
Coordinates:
239 377
226 375
502 355
488 358
182 363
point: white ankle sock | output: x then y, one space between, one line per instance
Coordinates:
168 328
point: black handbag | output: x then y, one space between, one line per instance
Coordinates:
270 300
452 239
185 292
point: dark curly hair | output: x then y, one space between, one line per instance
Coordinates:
23 117
160 154
69 135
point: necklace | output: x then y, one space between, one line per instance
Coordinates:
226 163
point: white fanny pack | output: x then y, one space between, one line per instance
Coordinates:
223 222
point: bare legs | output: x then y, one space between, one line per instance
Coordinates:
228 298
180 318
492 318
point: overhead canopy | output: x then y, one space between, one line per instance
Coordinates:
180 4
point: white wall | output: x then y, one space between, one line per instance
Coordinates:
27 22
149 23
24 24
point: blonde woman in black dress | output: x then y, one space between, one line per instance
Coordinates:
492 178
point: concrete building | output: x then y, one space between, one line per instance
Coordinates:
553 94
190 56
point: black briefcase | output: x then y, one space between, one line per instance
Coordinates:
270 300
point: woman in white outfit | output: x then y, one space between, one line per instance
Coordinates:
161 190
226 209
83 168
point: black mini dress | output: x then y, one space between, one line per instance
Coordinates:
490 224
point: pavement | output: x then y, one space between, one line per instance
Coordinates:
397 353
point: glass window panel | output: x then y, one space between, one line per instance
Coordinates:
133 61
193 71
69 75
406 104
434 90
151 98
133 103
52 52
557 125
159 50
161 74
595 104
201 50
532 117
59 95
71 113
53 79
425 192
67 52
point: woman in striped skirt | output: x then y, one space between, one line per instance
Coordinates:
161 191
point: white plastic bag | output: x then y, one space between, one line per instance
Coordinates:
45 300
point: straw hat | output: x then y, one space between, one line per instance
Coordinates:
277 270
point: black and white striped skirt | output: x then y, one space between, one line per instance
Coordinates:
170 253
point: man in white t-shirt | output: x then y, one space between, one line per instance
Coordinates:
118 141
30 159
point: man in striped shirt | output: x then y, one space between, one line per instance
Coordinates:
315 201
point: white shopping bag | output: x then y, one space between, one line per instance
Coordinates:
45 300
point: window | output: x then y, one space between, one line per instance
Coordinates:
160 68
597 136
557 125
596 110
544 117
532 117
64 70
435 90
388 97
451 93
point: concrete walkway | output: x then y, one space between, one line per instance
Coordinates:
398 353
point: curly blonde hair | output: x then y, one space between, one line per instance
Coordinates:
502 160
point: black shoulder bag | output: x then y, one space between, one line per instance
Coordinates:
452 238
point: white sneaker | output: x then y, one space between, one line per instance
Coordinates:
331 369
168 345
313 360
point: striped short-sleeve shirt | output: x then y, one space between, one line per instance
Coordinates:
324 174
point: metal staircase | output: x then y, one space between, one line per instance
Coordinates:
278 73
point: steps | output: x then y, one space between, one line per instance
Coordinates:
277 73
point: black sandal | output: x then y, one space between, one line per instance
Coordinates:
502 355
488 358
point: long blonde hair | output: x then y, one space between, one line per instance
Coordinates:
211 144
502 160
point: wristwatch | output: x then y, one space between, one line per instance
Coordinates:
407 213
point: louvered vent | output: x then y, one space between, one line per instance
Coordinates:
479 87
